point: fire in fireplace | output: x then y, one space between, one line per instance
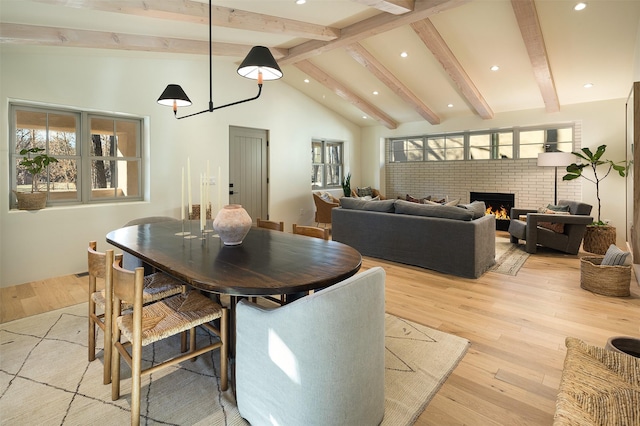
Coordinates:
497 204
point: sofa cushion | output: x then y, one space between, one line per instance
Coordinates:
477 208
386 206
445 212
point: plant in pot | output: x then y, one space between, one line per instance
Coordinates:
346 185
599 235
35 161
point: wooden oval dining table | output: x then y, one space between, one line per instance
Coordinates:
266 263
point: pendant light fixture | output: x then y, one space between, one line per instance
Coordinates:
258 65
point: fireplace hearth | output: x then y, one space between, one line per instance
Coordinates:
498 204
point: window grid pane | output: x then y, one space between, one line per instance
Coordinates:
326 164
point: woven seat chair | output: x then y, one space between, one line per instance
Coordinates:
323 208
311 231
268 224
150 323
156 286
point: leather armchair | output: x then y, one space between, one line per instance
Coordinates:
575 226
323 208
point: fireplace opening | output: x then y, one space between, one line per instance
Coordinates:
498 204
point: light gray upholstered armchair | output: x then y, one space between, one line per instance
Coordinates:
316 361
575 226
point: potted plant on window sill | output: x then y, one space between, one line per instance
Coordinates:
35 161
599 235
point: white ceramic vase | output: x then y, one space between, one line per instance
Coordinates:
232 223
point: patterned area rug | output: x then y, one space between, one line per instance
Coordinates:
509 257
45 377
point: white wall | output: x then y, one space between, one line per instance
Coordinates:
602 123
52 242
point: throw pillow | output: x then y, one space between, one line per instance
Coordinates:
364 192
557 208
555 227
452 202
614 256
413 199
445 212
325 196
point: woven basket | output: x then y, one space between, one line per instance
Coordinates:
597 239
603 279
31 200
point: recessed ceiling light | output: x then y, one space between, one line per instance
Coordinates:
364 116
306 80
494 68
450 105
579 6
375 92
301 1
588 86
404 54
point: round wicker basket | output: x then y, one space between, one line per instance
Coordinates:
31 200
598 238
604 279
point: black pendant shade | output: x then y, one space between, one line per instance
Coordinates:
258 65
260 60
174 93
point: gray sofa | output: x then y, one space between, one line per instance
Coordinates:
458 240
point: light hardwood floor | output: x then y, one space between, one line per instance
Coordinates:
516 325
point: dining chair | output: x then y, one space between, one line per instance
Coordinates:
156 286
146 324
311 231
268 224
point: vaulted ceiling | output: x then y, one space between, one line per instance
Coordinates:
346 54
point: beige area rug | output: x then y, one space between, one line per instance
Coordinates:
509 257
45 377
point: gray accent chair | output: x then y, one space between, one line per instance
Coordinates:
575 226
129 261
316 361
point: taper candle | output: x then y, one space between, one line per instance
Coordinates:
182 196
219 189
189 186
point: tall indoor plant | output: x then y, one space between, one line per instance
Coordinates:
599 234
346 185
35 161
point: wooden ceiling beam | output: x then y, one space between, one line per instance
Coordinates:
345 93
198 13
367 28
436 44
50 36
367 60
394 7
527 17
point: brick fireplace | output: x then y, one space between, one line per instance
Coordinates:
498 204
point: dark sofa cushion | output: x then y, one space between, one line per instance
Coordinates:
385 206
445 212
477 208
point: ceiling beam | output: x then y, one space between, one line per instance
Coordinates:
345 93
367 28
527 18
367 60
50 36
436 44
394 7
198 13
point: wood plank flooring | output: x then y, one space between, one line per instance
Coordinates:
516 325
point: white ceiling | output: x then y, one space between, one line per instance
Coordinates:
595 46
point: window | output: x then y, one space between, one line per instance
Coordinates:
110 153
327 167
483 145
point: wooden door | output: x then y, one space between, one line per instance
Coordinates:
248 170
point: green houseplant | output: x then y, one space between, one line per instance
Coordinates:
599 234
35 161
346 185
